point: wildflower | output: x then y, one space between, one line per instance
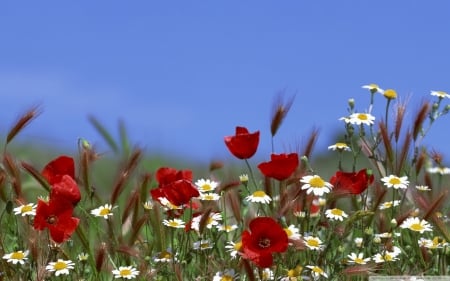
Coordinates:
164 256
259 196
168 205
104 211
56 215
351 182
415 224
243 178
389 204
335 214
243 144
390 94
292 232
436 243
226 275
439 170
373 88
212 220
175 186
395 182
359 118
126 272
359 242
56 169
313 243
67 189
227 228
175 223
357 258
209 196
267 274
293 273
203 245
339 146
423 188
148 205
26 210
280 166
316 185
233 248
83 257
60 267
387 256
440 94
206 185
265 237
317 272
16 257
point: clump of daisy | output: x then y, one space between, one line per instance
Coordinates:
335 214
16 257
339 146
312 242
316 185
259 196
395 182
416 224
389 204
317 272
175 223
206 185
126 272
354 258
60 267
104 211
226 275
26 210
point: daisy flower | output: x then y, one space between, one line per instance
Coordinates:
164 256
203 245
16 257
227 228
389 204
167 204
440 94
316 185
439 170
60 267
335 214
359 242
104 211
317 271
83 257
206 185
213 220
415 224
259 196
354 258
423 188
395 182
226 275
292 232
360 118
390 94
339 146
175 223
436 243
313 243
387 256
243 178
26 210
211 196
373 88
233 248
148 205
126 272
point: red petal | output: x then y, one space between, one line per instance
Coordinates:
57 168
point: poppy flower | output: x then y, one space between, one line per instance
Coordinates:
176 186
265 237
66 189
280 166
351 182
57 168
56 215
243 144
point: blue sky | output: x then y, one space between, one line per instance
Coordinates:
183 74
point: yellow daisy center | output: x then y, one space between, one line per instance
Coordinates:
209 197
259 193
173 223
340 145
237 246
26 208
313 243
17 255
125 272
373 86
395 181
416 227
362 116
337 212
226 278
390 94
288 232
359 261
207 187
104 212
60 265
388 257
317 182
317 270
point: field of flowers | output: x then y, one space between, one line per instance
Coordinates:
383 211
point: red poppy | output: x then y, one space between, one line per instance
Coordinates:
280 166
351 182
175 186
265 237
57 168
56 215
243 144
66 189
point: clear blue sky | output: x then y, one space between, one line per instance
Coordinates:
183 74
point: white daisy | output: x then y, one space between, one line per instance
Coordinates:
226 275
316 185
164 256
373 88
16 257
206 185
60 267
175 223
360 118
335 214
354 258
395 182
127 272
440 94
227 228
339 146
210 196
423 188
313 243
233 248
203 245
415 224
259 196
387 256
212 220
292 232
317 272
104 211
389 204
26 210
439 170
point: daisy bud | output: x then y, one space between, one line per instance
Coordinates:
368 231
446 109
351 103
394 222
358 242
376 240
